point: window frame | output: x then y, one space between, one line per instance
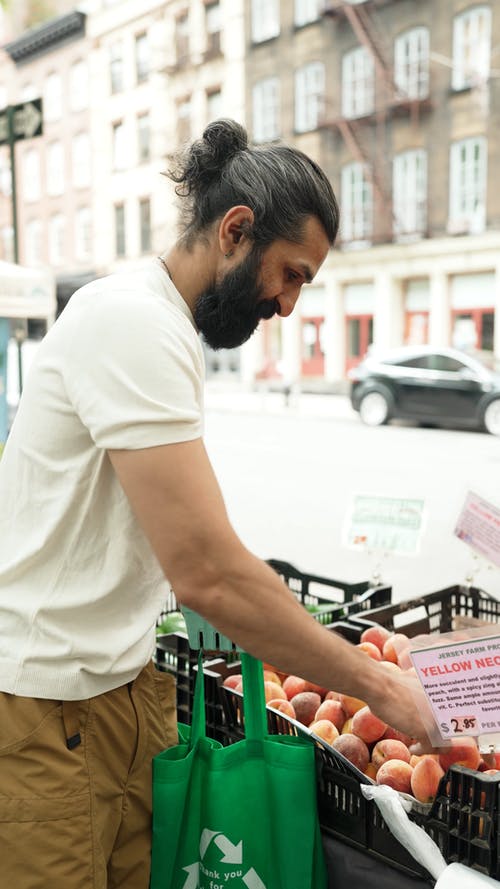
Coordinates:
411 62
309 88
356 214
265 20
358 83
464 76
468 184
409 192
266 109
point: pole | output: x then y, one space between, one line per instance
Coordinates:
20 327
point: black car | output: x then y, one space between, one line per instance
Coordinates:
441 387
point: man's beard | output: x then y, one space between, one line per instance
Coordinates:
228 313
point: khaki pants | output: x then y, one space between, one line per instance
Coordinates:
78 815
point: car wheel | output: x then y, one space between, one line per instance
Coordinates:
492 417
374 409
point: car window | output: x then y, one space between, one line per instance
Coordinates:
431 362
444 362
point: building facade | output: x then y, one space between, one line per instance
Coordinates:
398 100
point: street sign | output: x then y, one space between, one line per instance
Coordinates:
25 120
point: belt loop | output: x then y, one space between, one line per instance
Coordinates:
71 723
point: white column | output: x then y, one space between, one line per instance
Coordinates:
439 316
251 357
389 316
334 333
291 348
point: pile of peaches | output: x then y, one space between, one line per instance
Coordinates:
347 724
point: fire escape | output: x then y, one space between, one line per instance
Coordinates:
365 22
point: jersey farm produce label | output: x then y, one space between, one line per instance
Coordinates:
462 683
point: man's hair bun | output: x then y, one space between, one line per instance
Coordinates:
225 138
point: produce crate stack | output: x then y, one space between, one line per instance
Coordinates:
464 819
327 599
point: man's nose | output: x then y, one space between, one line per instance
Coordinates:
287 303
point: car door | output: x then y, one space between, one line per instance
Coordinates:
440 387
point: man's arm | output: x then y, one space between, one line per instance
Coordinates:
177 500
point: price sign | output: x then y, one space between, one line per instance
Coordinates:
478 526
462 683
385 524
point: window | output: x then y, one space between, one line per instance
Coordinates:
83 230
265 20
81 160
307 11
411 63
213 28
145 223
79 86
214 104
52 97
265 103
120 147
141 57
184 120
120 230
144 138
409 192
116 66
358 91
34 242
471 47
356 192
182 38
57 229
468 163
55 168
31 175
309 96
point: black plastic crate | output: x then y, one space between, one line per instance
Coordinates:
344 812
336 599
432 612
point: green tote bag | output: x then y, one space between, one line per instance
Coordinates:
237 817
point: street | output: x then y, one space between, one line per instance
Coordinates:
288 474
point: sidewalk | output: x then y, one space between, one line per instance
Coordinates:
233 396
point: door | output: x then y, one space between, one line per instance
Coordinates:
313 357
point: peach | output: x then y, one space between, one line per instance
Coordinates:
311 686
462 751
232 681
332 696
351 705
377 635
490 760
389 665
325 730
371 650
271 676
387 750
333 711
284 706
396 774
425 779
354 749
371 771
393 734
367 726
305 704
392 645
272 690
347 727
279 673
293 685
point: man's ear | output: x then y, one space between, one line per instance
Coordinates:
235 229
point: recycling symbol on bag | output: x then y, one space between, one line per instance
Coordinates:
228 868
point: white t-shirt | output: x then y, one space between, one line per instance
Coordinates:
80 588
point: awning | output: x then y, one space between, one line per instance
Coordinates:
26 292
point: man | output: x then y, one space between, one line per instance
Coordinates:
107 490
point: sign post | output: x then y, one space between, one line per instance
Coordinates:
22 121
